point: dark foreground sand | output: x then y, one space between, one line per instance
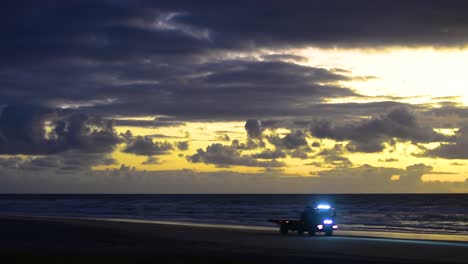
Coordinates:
55 240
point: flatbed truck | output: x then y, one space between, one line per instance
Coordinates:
313 220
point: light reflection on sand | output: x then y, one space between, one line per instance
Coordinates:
344 233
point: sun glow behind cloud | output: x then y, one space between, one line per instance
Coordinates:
415 76
420 73
411 75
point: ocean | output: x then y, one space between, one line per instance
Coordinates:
415 213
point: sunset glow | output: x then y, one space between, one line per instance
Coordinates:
180 94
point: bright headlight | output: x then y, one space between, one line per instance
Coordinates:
328 221
323 206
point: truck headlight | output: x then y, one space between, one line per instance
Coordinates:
328 221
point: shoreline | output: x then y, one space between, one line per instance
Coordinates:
36 238
343 233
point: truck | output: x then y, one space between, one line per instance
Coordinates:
320 218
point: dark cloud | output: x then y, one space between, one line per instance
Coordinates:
342 114
86 29
335 156
225 156
446 116
294 144
370 135
315 144
182 90
413 175
300 153
107 30
457 149
169 57
338 22
364 179
236 89
183 145
127 136
23 131
151 161
250 144
270 154
87 133
125 168
273 73
316 164
70 161
293 140
146 59
65 64
48 162
147 147
254 128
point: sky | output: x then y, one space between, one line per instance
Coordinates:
331 96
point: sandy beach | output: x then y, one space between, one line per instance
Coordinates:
59 240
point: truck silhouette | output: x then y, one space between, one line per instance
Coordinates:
320 218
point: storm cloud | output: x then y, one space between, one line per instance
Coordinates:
370 135
187 90
23 131
117 58
108 29
73 72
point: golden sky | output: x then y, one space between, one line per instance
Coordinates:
300 97
393 75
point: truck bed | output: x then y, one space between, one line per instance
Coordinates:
286 221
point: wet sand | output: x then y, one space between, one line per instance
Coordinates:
59 240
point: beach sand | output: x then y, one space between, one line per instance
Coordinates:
64 240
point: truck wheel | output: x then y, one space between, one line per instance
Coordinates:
284 229
300 231
312 233
329 232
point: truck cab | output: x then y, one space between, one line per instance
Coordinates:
320 218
